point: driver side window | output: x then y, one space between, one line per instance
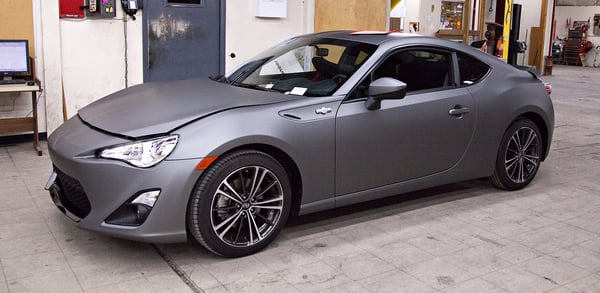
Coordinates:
421 69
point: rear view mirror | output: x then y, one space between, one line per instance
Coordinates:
382 89
322 52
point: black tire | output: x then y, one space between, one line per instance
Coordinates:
519 155
239 204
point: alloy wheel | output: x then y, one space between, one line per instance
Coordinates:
522 155
247 206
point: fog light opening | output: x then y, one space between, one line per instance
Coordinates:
142 212
135 212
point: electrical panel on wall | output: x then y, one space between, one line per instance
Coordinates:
71 9
101 8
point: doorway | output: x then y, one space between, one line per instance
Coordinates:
183 39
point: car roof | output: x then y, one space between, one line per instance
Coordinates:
391 39
388 40
366 36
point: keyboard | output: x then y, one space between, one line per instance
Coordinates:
12 81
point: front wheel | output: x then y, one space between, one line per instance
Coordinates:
240 204
519 155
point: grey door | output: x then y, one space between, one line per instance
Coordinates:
407 138
183 39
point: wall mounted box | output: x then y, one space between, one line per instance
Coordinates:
272 8
101 8
70 9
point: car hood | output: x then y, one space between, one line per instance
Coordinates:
159 107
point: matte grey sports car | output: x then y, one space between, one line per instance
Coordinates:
317 122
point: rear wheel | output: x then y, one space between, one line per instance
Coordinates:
240 204
519 155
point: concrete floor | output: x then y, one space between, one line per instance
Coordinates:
466 237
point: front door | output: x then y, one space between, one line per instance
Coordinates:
183 39
407 138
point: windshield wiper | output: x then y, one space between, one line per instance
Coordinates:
246 70
255 87
219 78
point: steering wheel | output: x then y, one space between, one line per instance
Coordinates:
339 78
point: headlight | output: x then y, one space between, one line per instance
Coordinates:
144 154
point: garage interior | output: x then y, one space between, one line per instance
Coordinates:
465 237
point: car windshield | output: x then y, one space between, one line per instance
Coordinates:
303 66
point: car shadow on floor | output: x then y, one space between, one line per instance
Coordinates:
340 217
399 203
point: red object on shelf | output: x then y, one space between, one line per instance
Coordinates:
587 46
70 9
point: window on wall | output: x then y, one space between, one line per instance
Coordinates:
596 24
452 15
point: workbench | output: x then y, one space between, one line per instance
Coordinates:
23 124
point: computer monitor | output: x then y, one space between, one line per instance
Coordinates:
14 58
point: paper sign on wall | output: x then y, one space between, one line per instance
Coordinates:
272 8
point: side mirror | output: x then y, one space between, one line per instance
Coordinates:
382 89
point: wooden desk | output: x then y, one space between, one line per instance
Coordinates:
25 124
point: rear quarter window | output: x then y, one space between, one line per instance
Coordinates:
471 70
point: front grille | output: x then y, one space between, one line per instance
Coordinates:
72 197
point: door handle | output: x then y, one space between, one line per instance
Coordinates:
458 111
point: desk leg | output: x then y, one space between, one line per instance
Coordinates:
36 136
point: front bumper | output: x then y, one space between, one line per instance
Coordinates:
89 189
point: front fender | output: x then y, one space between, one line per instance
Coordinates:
310 144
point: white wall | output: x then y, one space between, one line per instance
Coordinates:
413 11
49 63
420 11
86 58
577 13
93 58
429 21
247 35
